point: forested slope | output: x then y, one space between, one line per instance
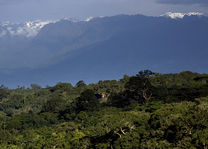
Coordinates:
148 110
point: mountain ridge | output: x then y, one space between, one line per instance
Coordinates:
32 28
107 48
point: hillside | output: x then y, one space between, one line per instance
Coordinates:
147 110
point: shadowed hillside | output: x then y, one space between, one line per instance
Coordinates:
106 48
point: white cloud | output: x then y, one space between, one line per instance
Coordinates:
28 29
181 15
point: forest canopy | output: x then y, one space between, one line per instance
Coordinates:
148 110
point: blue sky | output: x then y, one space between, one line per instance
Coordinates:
22 10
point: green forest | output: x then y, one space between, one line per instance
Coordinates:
148 110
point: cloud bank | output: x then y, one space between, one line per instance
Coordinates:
24 10
184 2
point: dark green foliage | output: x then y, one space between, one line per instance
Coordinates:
16 102
69 112
138 89
119 100
87 101
145 74
3 93
149 110
35 86
62 87
80 83
109 86
54 105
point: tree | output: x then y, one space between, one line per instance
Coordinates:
3 93
119 100
80 83
64 87
87 101
145 73
54 105
35 86
139 87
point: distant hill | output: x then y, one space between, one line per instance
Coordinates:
106 48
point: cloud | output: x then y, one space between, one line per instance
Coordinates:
184 2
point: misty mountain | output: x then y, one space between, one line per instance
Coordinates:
106 48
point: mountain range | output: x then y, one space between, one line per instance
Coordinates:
46 52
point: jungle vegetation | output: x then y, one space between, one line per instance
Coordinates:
149 110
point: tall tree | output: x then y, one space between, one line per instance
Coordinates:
139 87
87 101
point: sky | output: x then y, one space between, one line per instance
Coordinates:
24 10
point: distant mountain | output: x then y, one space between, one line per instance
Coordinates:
106 48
